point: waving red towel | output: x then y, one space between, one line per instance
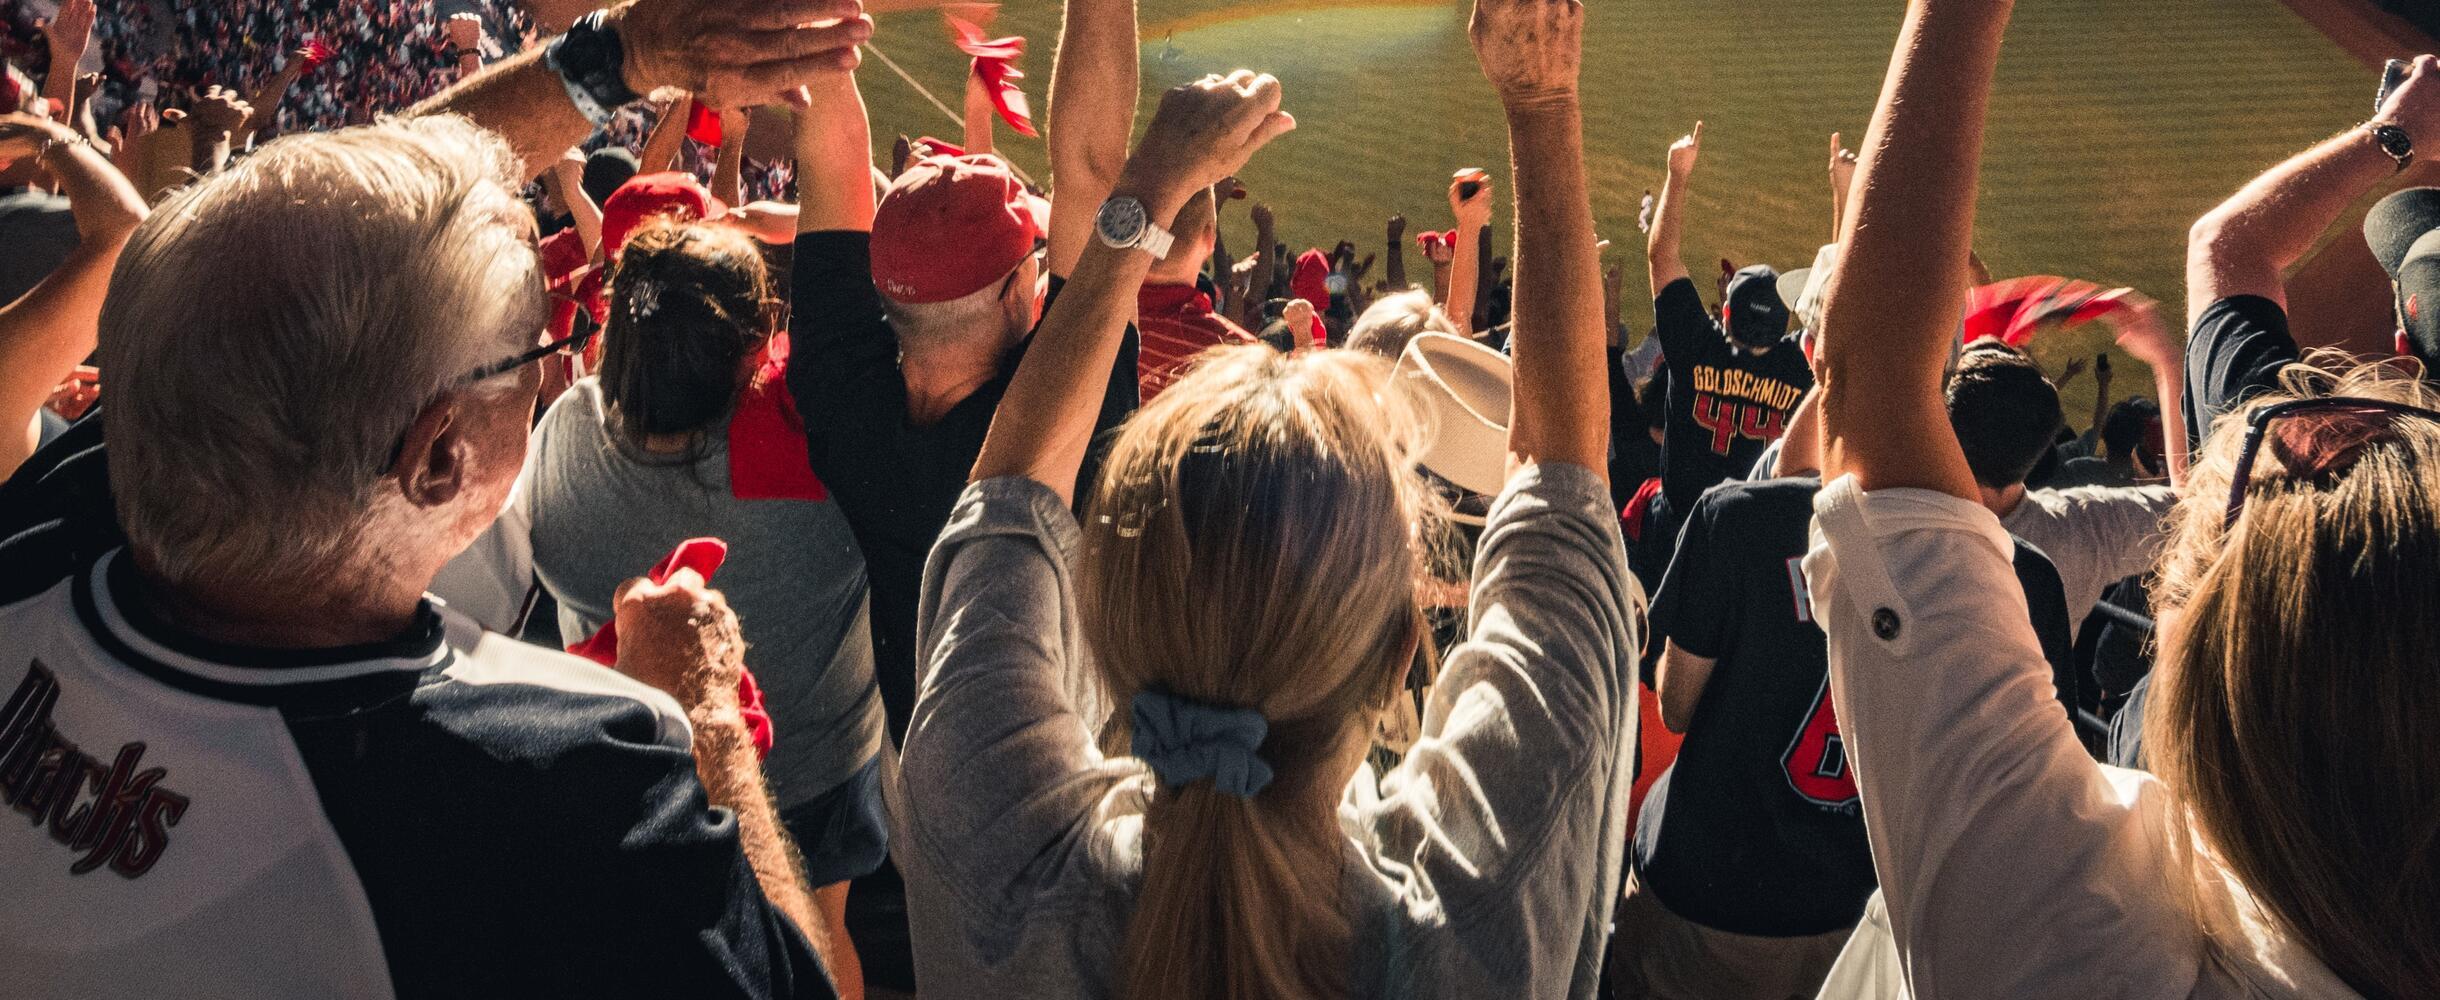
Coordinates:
995 63
704 556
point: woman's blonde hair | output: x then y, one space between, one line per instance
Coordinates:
2295 708
1254 544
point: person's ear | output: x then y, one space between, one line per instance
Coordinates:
2402 344
432 463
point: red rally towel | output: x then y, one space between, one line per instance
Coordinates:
767 446
704 556
995 64
703 124
2012 309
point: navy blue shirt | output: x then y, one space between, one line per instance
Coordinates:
1757 828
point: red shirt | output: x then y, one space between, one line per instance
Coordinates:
1174 323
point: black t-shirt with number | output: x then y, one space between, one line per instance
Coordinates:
1725 404
1757 828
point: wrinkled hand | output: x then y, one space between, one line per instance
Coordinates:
1472 211
71 29
682 638
220 110
465 30
2415 105
1684 152
1842 165
734 55
1207 129
1530 50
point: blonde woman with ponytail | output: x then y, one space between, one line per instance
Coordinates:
1244 588
2287 843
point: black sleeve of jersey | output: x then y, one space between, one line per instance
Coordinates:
1679 319
1118 399
1696 605
520 840
2236 350
2046 603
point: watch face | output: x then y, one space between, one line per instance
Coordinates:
2394 140
1121 222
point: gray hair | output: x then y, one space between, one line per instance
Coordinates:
981 316
272 330
1389 323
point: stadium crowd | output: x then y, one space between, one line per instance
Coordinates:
1100 613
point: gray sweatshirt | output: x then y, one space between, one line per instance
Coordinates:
1484 865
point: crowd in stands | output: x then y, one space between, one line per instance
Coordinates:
471 531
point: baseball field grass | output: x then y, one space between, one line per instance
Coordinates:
2116 122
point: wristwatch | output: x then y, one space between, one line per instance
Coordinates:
2395 142
1124 224
591 61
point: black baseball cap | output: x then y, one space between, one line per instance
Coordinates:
2403 231
1756 315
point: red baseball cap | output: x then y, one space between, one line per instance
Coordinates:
950 226
647 196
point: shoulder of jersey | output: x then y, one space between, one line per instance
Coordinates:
489 658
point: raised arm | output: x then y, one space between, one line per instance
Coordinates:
1090 116
1842 182
834 159
729 167
2244 246
216 119
1203 131
1470 202
465 31
264 106
731 55
566 179
981 118
51 328
668 136
1893 304
70 31
1661 254
2142 335
1530 50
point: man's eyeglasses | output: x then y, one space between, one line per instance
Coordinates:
2320 435
573 343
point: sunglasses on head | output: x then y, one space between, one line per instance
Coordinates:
2320 436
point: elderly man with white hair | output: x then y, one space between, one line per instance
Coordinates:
258 759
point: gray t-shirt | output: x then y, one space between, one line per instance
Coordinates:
2095 535
600 516
1484 865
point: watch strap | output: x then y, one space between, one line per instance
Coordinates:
1156 241
591 63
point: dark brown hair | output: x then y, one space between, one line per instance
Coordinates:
686 311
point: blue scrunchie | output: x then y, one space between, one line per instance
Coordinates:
1186 741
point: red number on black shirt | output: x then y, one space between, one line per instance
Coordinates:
1816 761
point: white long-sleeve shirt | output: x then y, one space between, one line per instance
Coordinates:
2012 863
